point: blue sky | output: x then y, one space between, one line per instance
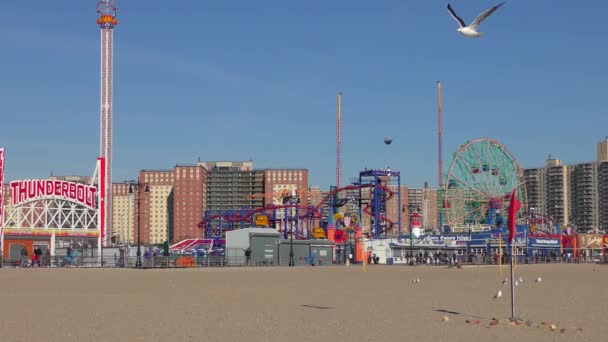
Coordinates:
238 80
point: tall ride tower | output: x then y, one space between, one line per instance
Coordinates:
107 20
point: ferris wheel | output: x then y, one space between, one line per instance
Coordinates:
479 185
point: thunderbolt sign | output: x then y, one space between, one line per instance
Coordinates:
30 190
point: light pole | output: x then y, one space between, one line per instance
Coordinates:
138 263
293 199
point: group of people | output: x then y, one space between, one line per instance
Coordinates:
36 260
437 258
40 258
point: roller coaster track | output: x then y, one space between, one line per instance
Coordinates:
234 217
367 207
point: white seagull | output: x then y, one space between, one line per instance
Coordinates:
471 30
539 279
498 294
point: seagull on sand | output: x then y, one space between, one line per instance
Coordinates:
505 282
471 29
521 280
498 294
538 280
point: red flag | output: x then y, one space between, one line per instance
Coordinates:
514 206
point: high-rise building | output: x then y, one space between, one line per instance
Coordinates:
415 200
123 214
315 198
395 209
558 191
585 196
281 182
574 195
231 184
74 179
430 209
315 195
536 188
603 195
602 150
156 205
189 199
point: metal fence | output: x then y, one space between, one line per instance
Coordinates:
173 261
177 261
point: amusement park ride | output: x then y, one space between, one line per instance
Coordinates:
340 211
478 185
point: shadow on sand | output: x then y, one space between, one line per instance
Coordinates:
460 313
318 307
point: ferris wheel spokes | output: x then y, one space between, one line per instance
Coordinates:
471 187
485 167
483 208
472 172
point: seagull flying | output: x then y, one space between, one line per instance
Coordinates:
498 294
471 30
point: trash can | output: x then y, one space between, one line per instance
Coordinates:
389 261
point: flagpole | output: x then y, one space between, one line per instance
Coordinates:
500 253
514 206
512 286
515 256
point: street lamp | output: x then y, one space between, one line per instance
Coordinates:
138 263
293 199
